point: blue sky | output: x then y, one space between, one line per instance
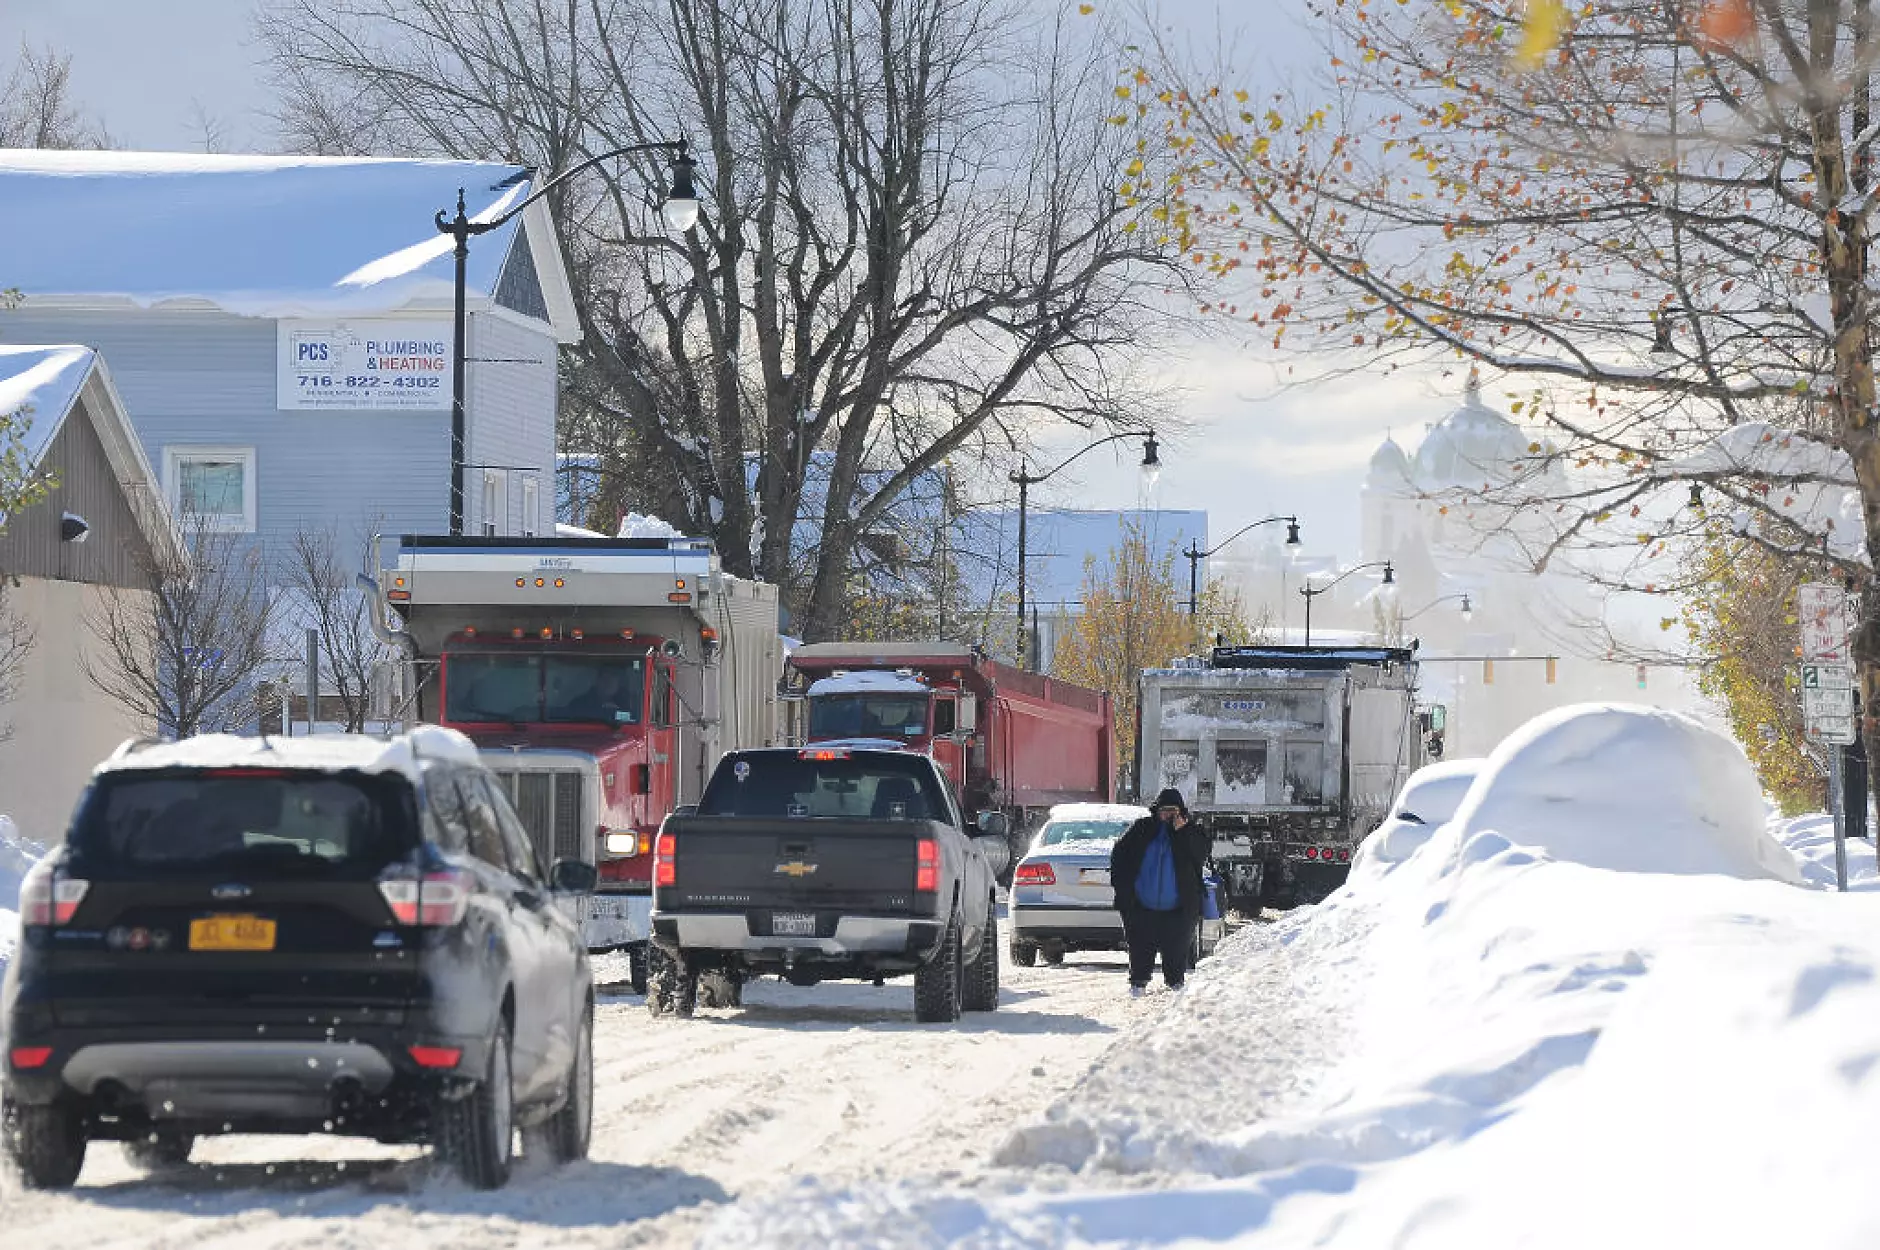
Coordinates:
153 68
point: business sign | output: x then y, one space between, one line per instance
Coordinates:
372 365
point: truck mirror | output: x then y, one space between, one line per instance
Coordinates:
640 779
991 824
967 715
573 876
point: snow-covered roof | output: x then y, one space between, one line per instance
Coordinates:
868 681
403 753
1096 811
261 236
43 384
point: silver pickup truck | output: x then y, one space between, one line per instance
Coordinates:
821 864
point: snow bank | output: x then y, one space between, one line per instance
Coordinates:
1592 1009
17 855
1810 839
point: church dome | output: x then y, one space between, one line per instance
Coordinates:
1472 443
1389 465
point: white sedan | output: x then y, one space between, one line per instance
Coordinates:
1061 895
1428 799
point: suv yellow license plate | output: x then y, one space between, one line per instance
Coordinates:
231 933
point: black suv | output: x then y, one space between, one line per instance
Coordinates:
335 934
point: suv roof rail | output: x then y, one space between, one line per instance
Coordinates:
130 746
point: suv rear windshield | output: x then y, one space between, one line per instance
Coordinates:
856 787
245 822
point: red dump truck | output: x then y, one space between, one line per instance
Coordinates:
1011 741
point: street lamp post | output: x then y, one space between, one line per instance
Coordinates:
1151 465
1390 579
1196 557
1468 607
679 207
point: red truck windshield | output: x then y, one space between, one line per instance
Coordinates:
875 715
544 689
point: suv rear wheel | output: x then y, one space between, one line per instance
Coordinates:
159 1150
937 982
46 1144
564 1136
476 1133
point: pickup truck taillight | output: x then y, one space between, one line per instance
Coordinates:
927 866
665 871
1035 874
48 896
434 900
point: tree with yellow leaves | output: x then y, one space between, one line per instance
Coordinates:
1660 214
1133 619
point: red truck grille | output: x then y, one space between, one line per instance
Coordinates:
549 804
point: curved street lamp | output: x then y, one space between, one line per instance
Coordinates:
1196 557
1151 469
1390 579
1468 609
679 207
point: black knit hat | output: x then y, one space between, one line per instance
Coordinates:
1170 797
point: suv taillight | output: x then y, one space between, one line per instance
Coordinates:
435 900
665 870
927 866
48 896
1035 874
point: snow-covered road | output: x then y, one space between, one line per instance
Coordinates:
835 1083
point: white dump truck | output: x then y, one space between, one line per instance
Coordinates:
1290 754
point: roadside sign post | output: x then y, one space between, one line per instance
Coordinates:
1827 615
1840 819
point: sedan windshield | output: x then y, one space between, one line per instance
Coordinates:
1059 831
538 689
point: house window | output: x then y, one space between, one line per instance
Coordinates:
492 503
212 486
530 507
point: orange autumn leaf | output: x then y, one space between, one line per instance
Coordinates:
1727 22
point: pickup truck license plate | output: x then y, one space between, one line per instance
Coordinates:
792 924
231 933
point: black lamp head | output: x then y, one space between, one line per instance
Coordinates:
1149 458
73 528
1390 575
1292 532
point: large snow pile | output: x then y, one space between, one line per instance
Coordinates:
1592 1009
17 855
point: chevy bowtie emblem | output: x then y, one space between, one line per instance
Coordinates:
796 868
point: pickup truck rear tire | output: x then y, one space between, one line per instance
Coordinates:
937 982
636 967
1024 954
981 992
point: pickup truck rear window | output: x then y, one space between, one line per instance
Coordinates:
785 786
250 824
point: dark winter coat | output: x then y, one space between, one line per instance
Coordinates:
1190 845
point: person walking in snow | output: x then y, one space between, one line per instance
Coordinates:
1156 869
